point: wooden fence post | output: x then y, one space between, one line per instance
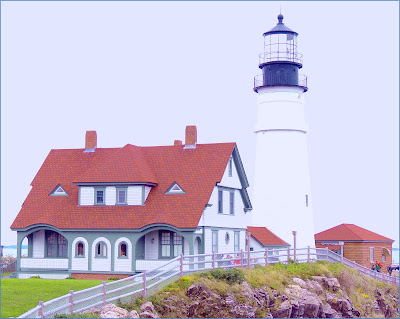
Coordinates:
181 265
104 292
40 312
213 260
266 256
144 283
241 258
308 254
288 254
71 301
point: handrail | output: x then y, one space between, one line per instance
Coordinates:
244 258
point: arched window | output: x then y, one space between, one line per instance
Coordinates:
101 250
80 249
123 250
56 245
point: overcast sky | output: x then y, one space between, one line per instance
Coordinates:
139 72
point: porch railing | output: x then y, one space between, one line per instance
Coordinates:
148 282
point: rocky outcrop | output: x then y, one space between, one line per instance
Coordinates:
319 297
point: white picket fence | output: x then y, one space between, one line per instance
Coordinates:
147 283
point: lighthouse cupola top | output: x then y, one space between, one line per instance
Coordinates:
280 60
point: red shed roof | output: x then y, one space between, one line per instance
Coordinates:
196 170
266 237
349 232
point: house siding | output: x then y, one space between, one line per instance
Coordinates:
147 190
80 263
111 195
120 263
151 249
231 181
211 217
135 194
86 196
38 244
101 264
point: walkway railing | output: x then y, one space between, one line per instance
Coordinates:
147 283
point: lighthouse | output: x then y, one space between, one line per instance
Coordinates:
282 198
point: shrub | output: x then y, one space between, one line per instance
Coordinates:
70 277
113 278
231 275
35 277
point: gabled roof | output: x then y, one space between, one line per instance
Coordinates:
349 232
266 237
196 170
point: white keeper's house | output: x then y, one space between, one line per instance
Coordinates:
112 212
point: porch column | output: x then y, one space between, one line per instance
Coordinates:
20 238
134 238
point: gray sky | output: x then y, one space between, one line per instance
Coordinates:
139 72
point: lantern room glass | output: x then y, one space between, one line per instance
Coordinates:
280 47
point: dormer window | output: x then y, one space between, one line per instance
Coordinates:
230 167
121 196
175 189
99 196
58 191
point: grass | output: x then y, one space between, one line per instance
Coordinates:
361 290
20 295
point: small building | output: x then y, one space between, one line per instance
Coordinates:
360 245
263 239
113 212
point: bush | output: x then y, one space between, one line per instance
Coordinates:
70 277
231 275
113 278
35 277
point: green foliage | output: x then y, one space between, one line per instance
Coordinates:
35 277
234 275
181 283
70 277
113 278
21 295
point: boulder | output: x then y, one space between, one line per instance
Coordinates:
300 282
112 311
283 311
147 307
133 314
243 311
330 283
147 314
330 313
314 286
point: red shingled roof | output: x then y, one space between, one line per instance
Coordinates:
196 170
265 236
351 232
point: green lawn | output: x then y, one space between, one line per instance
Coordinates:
20 295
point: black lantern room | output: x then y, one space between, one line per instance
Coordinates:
280 62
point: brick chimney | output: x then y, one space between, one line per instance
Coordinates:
191 137
90 141
177 143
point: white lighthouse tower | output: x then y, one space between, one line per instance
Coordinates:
282 199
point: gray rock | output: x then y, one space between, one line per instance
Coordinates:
147 307
331 313
243 311
300 282
133 314
112 311
315 286
147 314
283 311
